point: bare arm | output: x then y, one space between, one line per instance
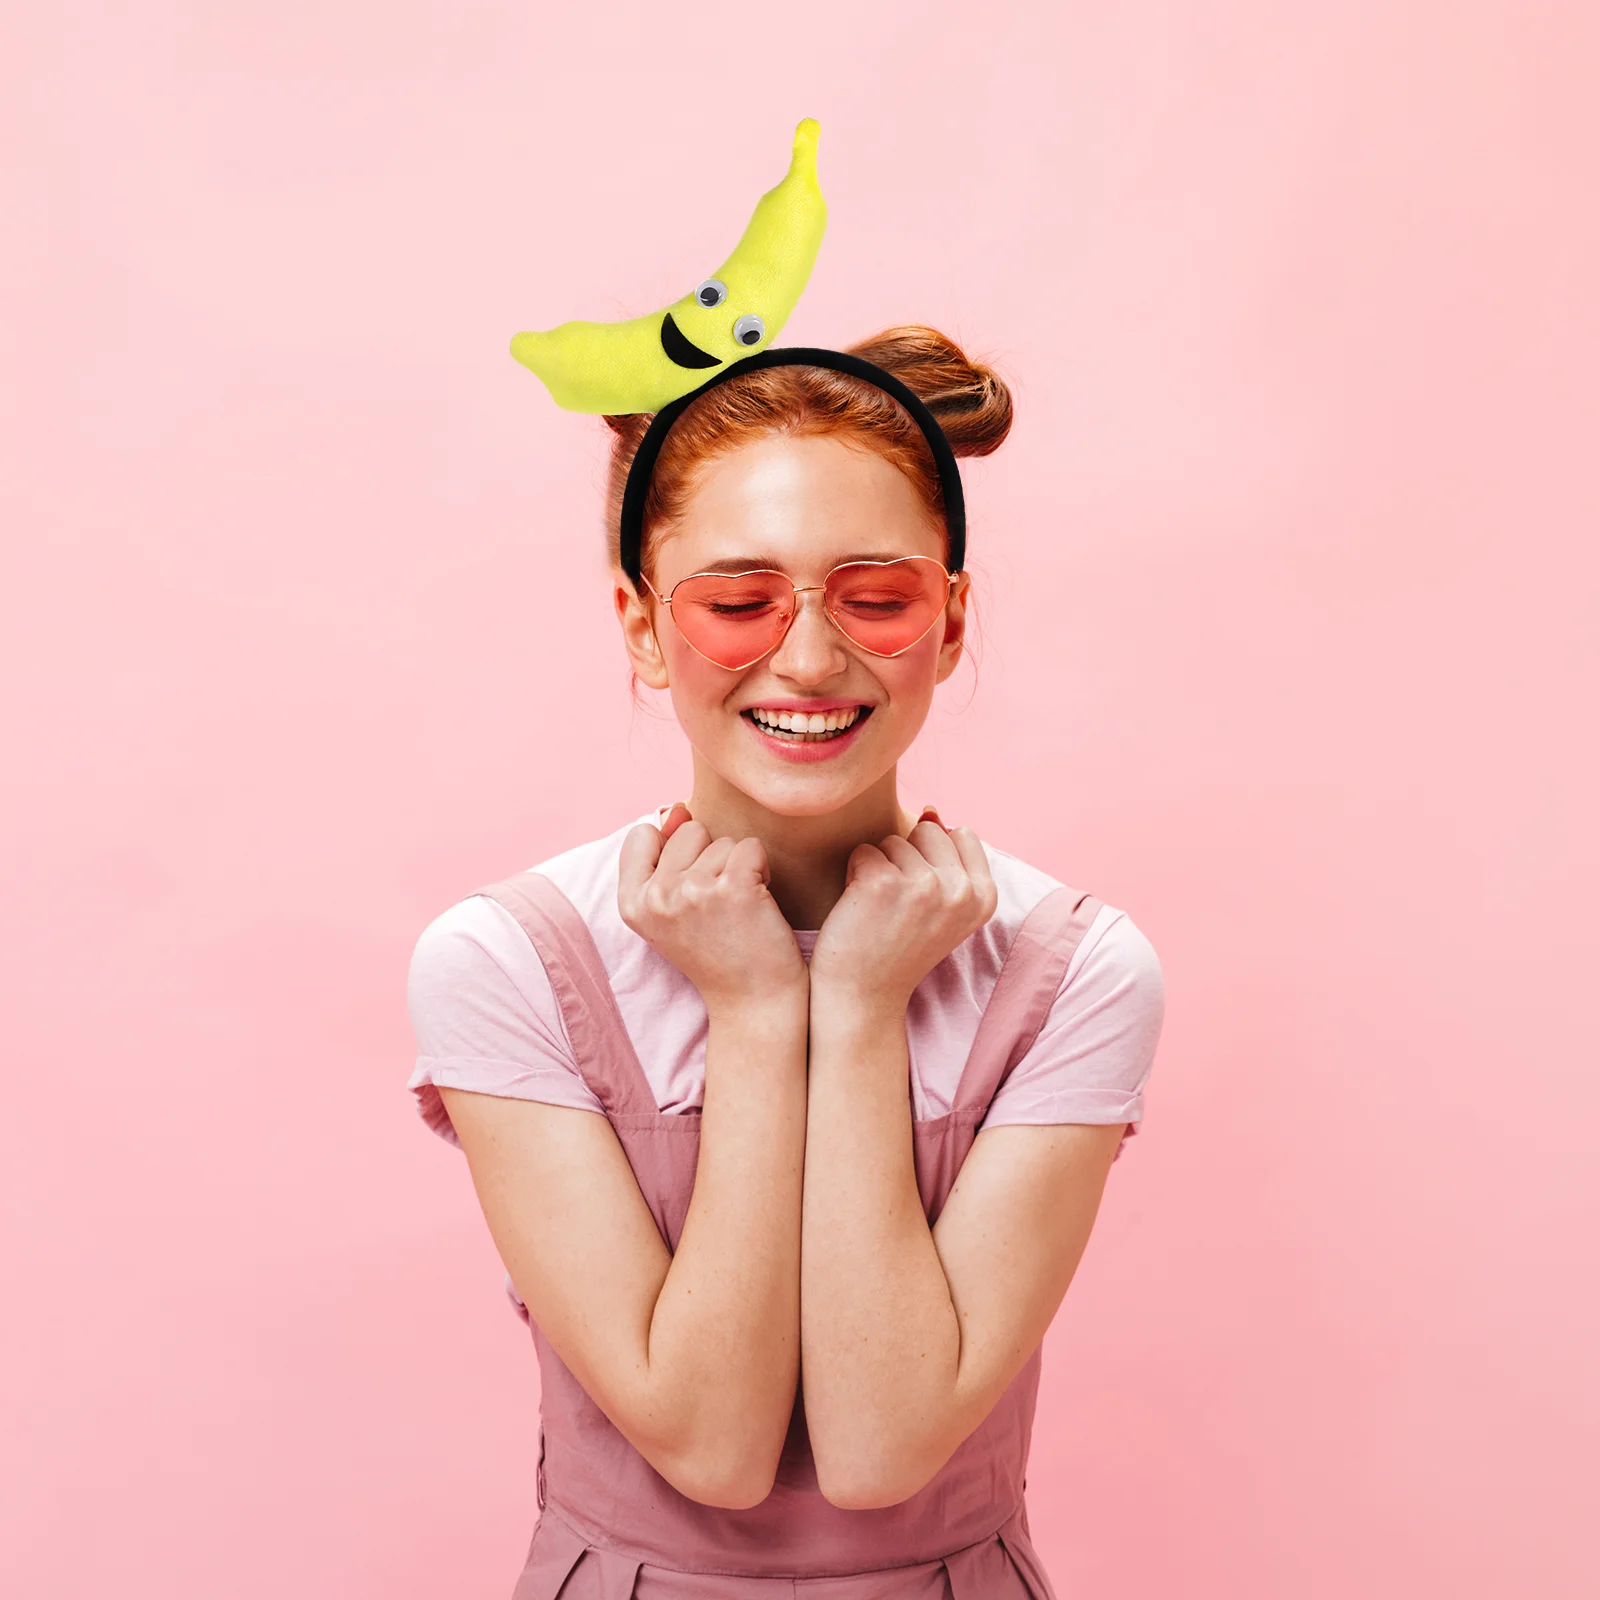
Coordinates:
694 1356
910 1335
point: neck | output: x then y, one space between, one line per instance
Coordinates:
807 855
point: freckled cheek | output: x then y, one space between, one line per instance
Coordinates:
910 680
699 689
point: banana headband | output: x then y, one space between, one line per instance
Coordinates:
615 368
656 363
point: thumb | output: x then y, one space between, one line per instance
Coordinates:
862 859
641 849
749 856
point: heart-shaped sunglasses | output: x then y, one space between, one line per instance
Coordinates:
733 619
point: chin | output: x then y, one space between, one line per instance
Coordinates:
806 789
784 800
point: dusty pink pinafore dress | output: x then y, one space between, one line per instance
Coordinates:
610 1526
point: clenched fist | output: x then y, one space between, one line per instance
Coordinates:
703 903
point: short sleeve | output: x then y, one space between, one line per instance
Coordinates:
485 1016
1092 1058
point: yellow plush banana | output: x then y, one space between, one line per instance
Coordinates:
643 364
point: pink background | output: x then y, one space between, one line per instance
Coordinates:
1288 576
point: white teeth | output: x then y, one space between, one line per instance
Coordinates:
804 725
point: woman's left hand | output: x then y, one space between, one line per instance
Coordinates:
907 904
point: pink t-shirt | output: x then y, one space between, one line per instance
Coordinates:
486 1019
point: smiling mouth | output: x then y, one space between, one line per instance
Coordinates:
800 728
679 348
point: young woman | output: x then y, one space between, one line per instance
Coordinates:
789 1112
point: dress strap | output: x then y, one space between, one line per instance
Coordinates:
605 1053
1030 978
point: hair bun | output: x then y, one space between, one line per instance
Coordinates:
971 401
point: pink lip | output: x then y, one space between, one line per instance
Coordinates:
821 749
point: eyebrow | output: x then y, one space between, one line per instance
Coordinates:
737 564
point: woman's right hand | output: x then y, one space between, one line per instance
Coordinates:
703 903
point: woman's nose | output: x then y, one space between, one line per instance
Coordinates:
812 650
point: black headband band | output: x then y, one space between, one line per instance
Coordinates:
644 460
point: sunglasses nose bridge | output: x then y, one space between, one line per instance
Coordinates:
786 639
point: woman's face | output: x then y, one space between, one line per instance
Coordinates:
801 506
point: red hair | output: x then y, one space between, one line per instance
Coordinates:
971 403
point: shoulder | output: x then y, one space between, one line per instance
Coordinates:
470 937
1115 972
483 1009
1113 947
1091 1058
474 980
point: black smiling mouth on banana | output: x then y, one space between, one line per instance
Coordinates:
680 350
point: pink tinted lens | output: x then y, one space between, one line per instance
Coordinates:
887 606
733 618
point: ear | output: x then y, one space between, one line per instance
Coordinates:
955 625
634 612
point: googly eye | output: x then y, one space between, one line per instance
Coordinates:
711 293
749 329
